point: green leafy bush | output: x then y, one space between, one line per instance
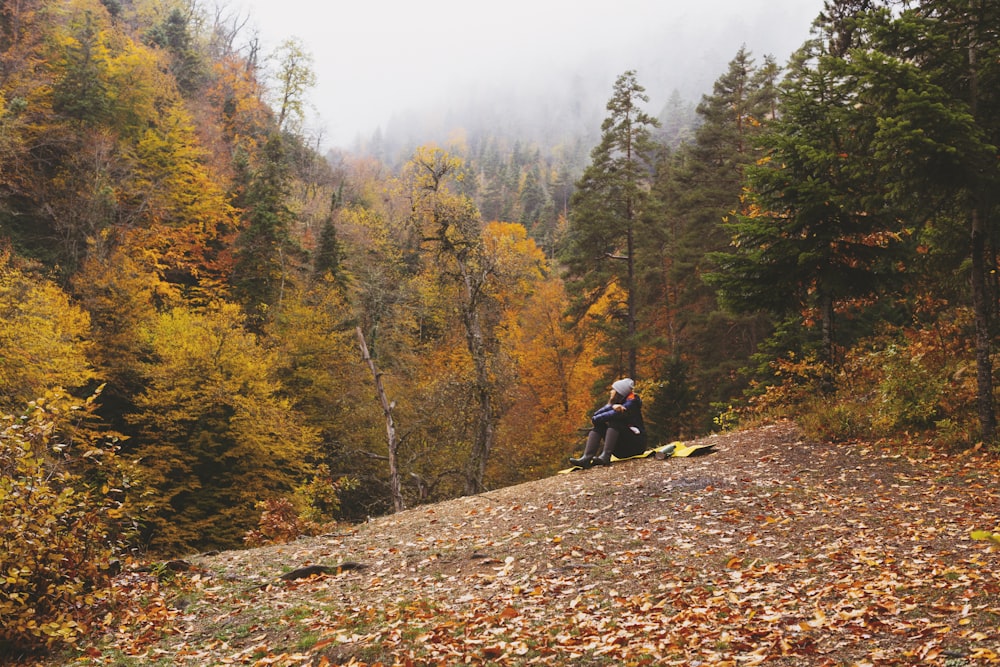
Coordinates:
61 509
911 381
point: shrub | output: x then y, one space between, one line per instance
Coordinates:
914 380
310 511
910 381
61 508
798 388
899 383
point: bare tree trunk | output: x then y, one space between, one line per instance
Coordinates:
829 342
390 428
632 343
828 313
981 307
630 251
475 469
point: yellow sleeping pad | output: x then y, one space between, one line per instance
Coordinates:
672 450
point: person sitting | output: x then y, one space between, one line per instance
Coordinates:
618 424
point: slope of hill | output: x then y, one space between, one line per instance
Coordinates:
767 548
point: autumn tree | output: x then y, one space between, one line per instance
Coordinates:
188 221
82 92
452 225
320 372
542 422
236 98
44 337
20 34
123 292
483 269
109 146
214 432
67 191
123 188
403 313
293 77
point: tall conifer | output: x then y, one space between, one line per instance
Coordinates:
941 133
697 189
607 207
264 243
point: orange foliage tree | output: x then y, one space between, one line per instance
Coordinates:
485 270
556 372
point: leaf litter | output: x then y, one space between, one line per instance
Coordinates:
766 549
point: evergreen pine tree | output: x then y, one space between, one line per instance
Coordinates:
533 197
263 246
329 253
936 69
810 235
678 120
82 92
606 209
493 188
883 134
697 189
187 66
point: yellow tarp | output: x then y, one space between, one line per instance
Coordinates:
687 450
672 450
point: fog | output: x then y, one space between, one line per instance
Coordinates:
394 65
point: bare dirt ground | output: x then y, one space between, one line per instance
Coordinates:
765 549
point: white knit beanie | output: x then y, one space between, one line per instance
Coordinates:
624 386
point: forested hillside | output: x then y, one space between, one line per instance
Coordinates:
188 283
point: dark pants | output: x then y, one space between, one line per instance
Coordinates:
619 438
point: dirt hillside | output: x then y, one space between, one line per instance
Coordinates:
766 548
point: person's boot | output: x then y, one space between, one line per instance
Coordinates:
610 440
593 442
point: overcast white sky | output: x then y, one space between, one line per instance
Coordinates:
374 58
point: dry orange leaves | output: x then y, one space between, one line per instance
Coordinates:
768 549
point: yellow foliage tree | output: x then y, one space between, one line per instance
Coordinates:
215 432
237 97
43 337
122 291
318 364
187 215
484 270
179 188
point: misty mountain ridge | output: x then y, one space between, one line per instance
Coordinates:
552 106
